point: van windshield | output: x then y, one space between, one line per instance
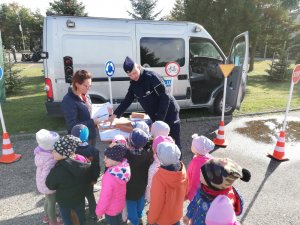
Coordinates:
200 47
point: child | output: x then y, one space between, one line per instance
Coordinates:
68 178
217 176
81 131
44 162
221 212
169 187
139 160
119 139
113 193
201 146
159 128
156 164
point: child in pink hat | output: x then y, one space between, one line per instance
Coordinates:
221 212
155 165
201 146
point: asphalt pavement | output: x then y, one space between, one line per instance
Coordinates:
271 197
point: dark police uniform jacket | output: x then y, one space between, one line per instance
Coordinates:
151 93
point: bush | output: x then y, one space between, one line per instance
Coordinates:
279 68
13 79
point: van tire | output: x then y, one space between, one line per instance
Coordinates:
218 106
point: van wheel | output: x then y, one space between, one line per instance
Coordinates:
218 106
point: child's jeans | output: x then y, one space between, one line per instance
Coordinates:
66 214
135 209
114 220
49 206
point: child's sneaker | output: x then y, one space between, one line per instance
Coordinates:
45 219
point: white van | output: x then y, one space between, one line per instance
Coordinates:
73 43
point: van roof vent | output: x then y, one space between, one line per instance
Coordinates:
70 23
197 28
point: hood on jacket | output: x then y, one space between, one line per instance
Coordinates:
121 171
172 178
76 167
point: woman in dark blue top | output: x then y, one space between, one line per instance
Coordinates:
77 105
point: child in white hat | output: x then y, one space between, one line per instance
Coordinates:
160 128
201 146
44 162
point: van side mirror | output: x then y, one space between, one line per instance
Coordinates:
44 55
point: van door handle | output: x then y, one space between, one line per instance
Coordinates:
182 77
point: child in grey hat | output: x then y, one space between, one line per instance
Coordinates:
68 178
169 186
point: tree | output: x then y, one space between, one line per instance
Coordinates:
11 16
266 20
178 11
143 9
279 68
66 7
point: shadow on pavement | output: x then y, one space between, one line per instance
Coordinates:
271 168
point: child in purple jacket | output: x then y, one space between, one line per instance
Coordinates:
44 162
112 198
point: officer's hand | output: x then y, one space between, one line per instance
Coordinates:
111 119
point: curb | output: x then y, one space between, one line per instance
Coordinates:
189 120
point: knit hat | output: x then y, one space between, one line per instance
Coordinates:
138 138
67 145
160 139
128 65
116 152
46 139
160 128
81 131
168 153
119 139
220 173
221 212
202 145
143 126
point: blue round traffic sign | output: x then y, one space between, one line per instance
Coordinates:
1 73
109 68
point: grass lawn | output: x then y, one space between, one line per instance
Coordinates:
25 112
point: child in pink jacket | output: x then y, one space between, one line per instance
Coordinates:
201 146
44 162
112 198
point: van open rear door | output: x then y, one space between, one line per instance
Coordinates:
236 83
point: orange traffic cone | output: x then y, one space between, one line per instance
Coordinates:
278 153
8 155
220 139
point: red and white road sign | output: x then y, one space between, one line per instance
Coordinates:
296 74
172 69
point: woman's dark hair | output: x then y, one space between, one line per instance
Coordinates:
79 77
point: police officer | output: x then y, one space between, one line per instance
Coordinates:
150 91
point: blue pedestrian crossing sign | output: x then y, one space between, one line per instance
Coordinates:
1 73
109 68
